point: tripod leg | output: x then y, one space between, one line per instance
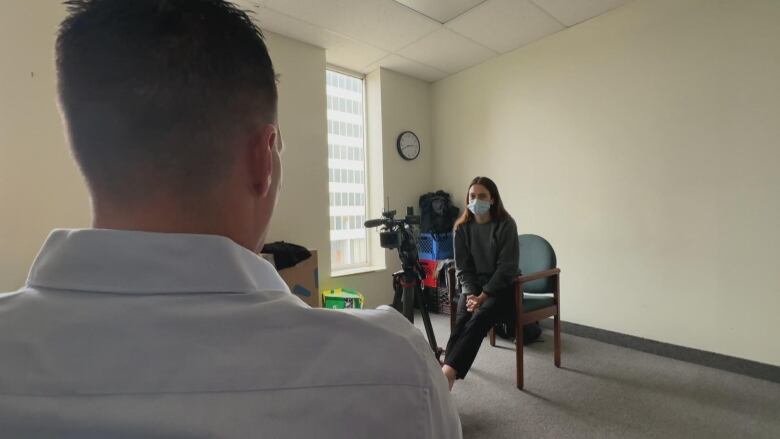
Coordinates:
408 303
427 322
397 296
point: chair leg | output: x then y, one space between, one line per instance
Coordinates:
519 354
557 323
519 333
493 336
557 335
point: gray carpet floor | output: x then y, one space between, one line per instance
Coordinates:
606 391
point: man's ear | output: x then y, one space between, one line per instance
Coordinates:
260 158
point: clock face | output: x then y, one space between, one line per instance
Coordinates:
408 145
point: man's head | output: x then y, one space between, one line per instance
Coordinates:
170 107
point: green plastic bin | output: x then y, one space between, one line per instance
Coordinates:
342 298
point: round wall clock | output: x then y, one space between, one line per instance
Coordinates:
408 145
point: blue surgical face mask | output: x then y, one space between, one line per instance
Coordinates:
479 207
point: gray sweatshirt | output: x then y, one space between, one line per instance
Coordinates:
487 256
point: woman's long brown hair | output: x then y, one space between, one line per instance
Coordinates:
497 211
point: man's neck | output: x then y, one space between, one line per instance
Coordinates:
169 214
149 222
160 217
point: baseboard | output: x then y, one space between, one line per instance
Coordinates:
710 359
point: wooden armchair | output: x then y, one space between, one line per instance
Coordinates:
537 295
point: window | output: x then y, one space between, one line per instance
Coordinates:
347 168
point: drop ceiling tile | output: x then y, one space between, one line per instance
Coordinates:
352 55
339 50
441 11
505 25
385 24
447 51
571 12
408 67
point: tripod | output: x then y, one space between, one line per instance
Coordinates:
398 234
408 292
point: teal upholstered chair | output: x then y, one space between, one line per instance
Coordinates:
538 284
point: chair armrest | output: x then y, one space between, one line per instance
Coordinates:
538 275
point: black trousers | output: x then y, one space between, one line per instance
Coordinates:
471 327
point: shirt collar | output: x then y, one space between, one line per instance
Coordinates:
120 261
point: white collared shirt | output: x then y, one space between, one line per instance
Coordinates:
132 334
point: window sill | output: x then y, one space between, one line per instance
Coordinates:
357 270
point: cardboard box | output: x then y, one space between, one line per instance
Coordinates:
303 279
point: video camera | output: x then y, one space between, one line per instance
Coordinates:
395 232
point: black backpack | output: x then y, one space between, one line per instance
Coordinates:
286 254
437 213
531 331
505 328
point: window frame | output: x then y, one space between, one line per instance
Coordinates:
342 128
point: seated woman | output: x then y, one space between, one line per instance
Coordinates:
486 261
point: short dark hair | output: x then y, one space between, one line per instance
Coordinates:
153 91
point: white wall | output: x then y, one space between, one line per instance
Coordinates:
644 145
301 215
406 105
41 188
